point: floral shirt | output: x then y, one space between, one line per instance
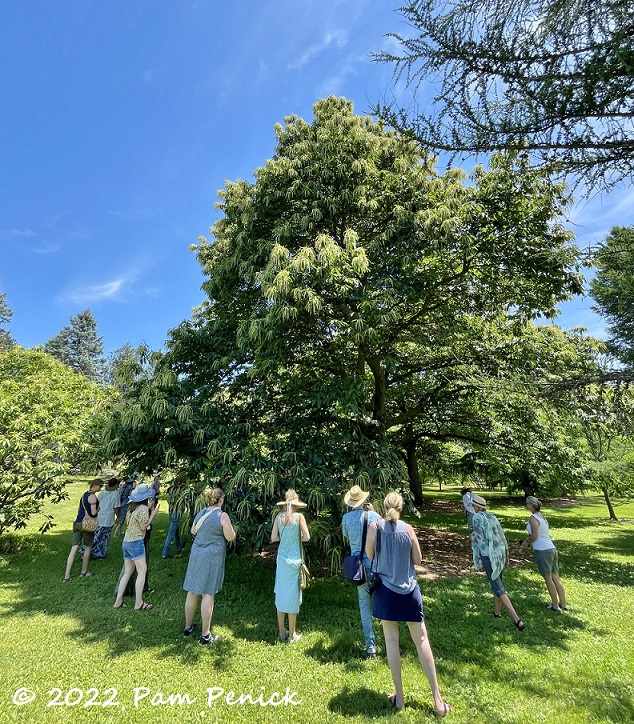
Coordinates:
488 540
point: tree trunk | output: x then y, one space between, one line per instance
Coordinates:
608 502
415 482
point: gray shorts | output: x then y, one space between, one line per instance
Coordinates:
547 561
496 583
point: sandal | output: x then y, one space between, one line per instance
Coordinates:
144 607
519 624
497 615
65 580
121 605
88 574
392 699
445 710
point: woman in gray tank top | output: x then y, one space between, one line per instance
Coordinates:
398 598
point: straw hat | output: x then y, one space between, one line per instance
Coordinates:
479 501
291 499
355 497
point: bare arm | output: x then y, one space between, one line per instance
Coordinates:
148 523
417 556
92 502
369 541
227 528
275 533
534 534
303 527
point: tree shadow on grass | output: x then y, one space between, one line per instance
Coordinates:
583 562
363 702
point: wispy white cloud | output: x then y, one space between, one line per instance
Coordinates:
338 38
148 75
23 233
89 293
47 247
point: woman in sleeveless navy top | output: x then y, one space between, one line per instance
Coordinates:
88 506
398 598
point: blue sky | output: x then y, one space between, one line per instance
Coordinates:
121 120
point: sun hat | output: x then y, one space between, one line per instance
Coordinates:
141 493
291 499
355 497
479 501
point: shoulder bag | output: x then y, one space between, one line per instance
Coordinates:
88 523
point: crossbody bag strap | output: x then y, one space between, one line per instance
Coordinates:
364 535
202 520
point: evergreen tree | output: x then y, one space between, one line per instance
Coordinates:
553 77
6 341
79 346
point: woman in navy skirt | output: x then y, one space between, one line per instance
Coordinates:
398 597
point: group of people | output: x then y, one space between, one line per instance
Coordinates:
387 546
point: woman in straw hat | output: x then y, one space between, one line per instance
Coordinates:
490 551
290 530
394 545
546 555
361 515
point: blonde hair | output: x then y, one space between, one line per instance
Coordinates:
393 505
213 495
291 497
534 502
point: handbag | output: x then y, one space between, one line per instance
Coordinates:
375 580
353 568
88 523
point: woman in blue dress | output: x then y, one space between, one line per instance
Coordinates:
206 568
290 530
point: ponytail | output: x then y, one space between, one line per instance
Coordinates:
393 505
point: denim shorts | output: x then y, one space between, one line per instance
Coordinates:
133 550
547 561
496 583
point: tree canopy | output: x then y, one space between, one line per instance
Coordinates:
352 292
554 78
47 413
79 346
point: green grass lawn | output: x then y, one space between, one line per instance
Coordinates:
576 667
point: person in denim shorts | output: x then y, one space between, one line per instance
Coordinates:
139 519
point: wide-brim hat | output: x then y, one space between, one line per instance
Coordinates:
479 500
355 497
143 492
294 501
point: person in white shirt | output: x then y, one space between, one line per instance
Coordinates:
546 555
467 497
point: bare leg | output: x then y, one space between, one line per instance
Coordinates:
390 632
141 569
84 560
418 632
560 590
292 625
206 612
497 605
70 559
128 568
550 585
190 608
509 607
281 619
